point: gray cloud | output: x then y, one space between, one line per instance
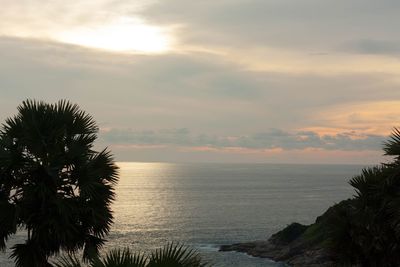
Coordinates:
202 92
306 25
222 103
273 138
374 47
309 25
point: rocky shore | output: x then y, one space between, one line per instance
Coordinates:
292 255
296 245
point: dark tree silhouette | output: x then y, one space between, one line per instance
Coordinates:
52 183
171 255
366 231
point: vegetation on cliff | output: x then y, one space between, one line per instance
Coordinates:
367 230
361 231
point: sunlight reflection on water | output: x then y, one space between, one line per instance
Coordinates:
205 205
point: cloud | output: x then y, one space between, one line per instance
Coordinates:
44 18
271 139
202 92
373 47
240 68
308 25
380 116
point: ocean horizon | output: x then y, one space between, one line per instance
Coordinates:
205 205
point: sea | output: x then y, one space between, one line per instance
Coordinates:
207 205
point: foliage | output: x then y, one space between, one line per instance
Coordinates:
172 255
52 182
69 260
121 258
367 230
175 256
361 231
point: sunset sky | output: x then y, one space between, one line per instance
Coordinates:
305 81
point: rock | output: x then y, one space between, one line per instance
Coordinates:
297 245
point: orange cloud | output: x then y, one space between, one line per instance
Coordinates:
136 146
235 150
369 118
279 155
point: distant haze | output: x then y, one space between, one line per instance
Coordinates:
305 81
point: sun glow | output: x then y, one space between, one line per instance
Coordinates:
121 35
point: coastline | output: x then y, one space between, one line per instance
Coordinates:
296 245
292 256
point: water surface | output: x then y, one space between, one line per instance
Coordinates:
206 205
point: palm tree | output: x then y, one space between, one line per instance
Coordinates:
174 255
171 255
52 182
367 230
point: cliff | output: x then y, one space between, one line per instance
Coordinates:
297 245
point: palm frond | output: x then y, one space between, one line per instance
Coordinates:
121 258
69 260
369 181
92 247
175 255
8 222
392 146
28 255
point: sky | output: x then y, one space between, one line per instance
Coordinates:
252 81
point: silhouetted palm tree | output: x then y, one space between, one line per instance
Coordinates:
175 256
52 182
367 230
172 255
